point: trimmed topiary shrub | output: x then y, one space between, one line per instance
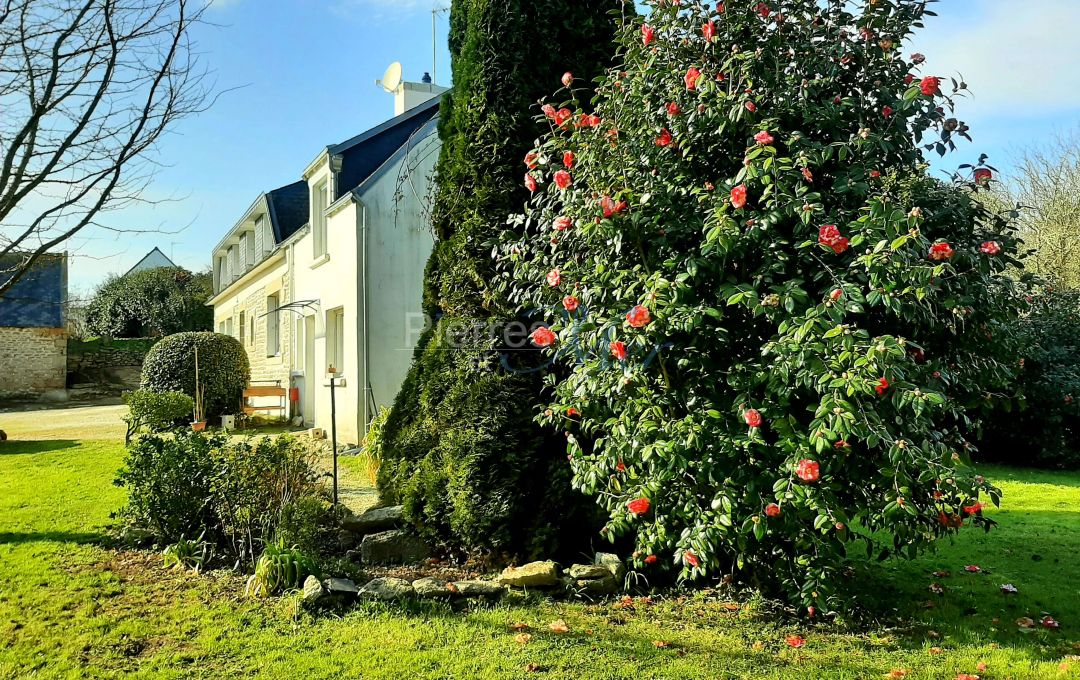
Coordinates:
1045 430
460 449
224 371
772 332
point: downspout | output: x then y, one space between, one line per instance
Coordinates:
365 382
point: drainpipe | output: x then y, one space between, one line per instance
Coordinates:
365 383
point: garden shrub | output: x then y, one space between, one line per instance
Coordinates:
151 302
224 370
1045 430
156 411
235 494
772 332
461 451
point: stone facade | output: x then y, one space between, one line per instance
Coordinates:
33 361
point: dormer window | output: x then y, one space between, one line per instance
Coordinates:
319 204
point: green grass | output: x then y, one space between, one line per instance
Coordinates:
70 607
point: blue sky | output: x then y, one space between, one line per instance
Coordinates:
305 74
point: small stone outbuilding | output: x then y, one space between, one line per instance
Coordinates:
33 333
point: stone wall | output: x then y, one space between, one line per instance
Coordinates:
33 361
112 368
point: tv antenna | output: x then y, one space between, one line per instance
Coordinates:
435 12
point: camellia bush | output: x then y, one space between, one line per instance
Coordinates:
772 333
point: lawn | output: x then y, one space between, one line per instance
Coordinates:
70 607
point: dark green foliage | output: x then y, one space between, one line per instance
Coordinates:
156 411
224 371
1045 431
152 302
461 451
235 495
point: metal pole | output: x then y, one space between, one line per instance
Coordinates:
333 430
434 50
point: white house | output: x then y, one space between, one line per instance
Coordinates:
341 287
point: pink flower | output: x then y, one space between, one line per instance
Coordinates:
941 251
638 317
738 196
549 111
751 107
973 569
990 248
930 85
690 558
570 303
647 34
639 506
568 79
752 417
836 294
808 470
709 31
563 223
618 350
568 159
772 510
664 139
532 159
691 78
554 277
563 179
673 109
543 337
530 183
1049 622
763 138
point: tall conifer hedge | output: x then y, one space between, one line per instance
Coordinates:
460 449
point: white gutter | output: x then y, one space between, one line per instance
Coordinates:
365 381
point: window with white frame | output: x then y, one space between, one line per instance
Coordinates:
273 326
319 203
335 340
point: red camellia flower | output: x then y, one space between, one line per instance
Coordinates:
1049 622
795 641
763 138
763 10
990 248
647 34
875 174
887 111
930 85
673 109
621 466
691 78
836 295
610 207
973 509
651 559
618 350
563 179
941 251
570 303
983 176
543 337
532 159
589 120
568 159
738 196
563 223
808 470
638 317
549 111
772 510
572 412
709 31
664 139
639 506
568 79
917 58
554 277
883 384
690 558
752 417
909 79
751 107
829 235
563 115
807 175
530 183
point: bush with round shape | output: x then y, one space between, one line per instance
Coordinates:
772 331
151 303
156 411
224 371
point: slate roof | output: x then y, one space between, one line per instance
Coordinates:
288 209
37 299
139 265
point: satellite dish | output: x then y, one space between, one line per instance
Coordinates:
392 78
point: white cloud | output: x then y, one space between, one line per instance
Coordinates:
1019 59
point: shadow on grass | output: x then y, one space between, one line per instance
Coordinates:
14 448
17 538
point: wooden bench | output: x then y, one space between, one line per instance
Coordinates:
253 392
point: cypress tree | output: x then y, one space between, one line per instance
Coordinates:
460 448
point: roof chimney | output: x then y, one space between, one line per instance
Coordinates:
426 80
408 95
